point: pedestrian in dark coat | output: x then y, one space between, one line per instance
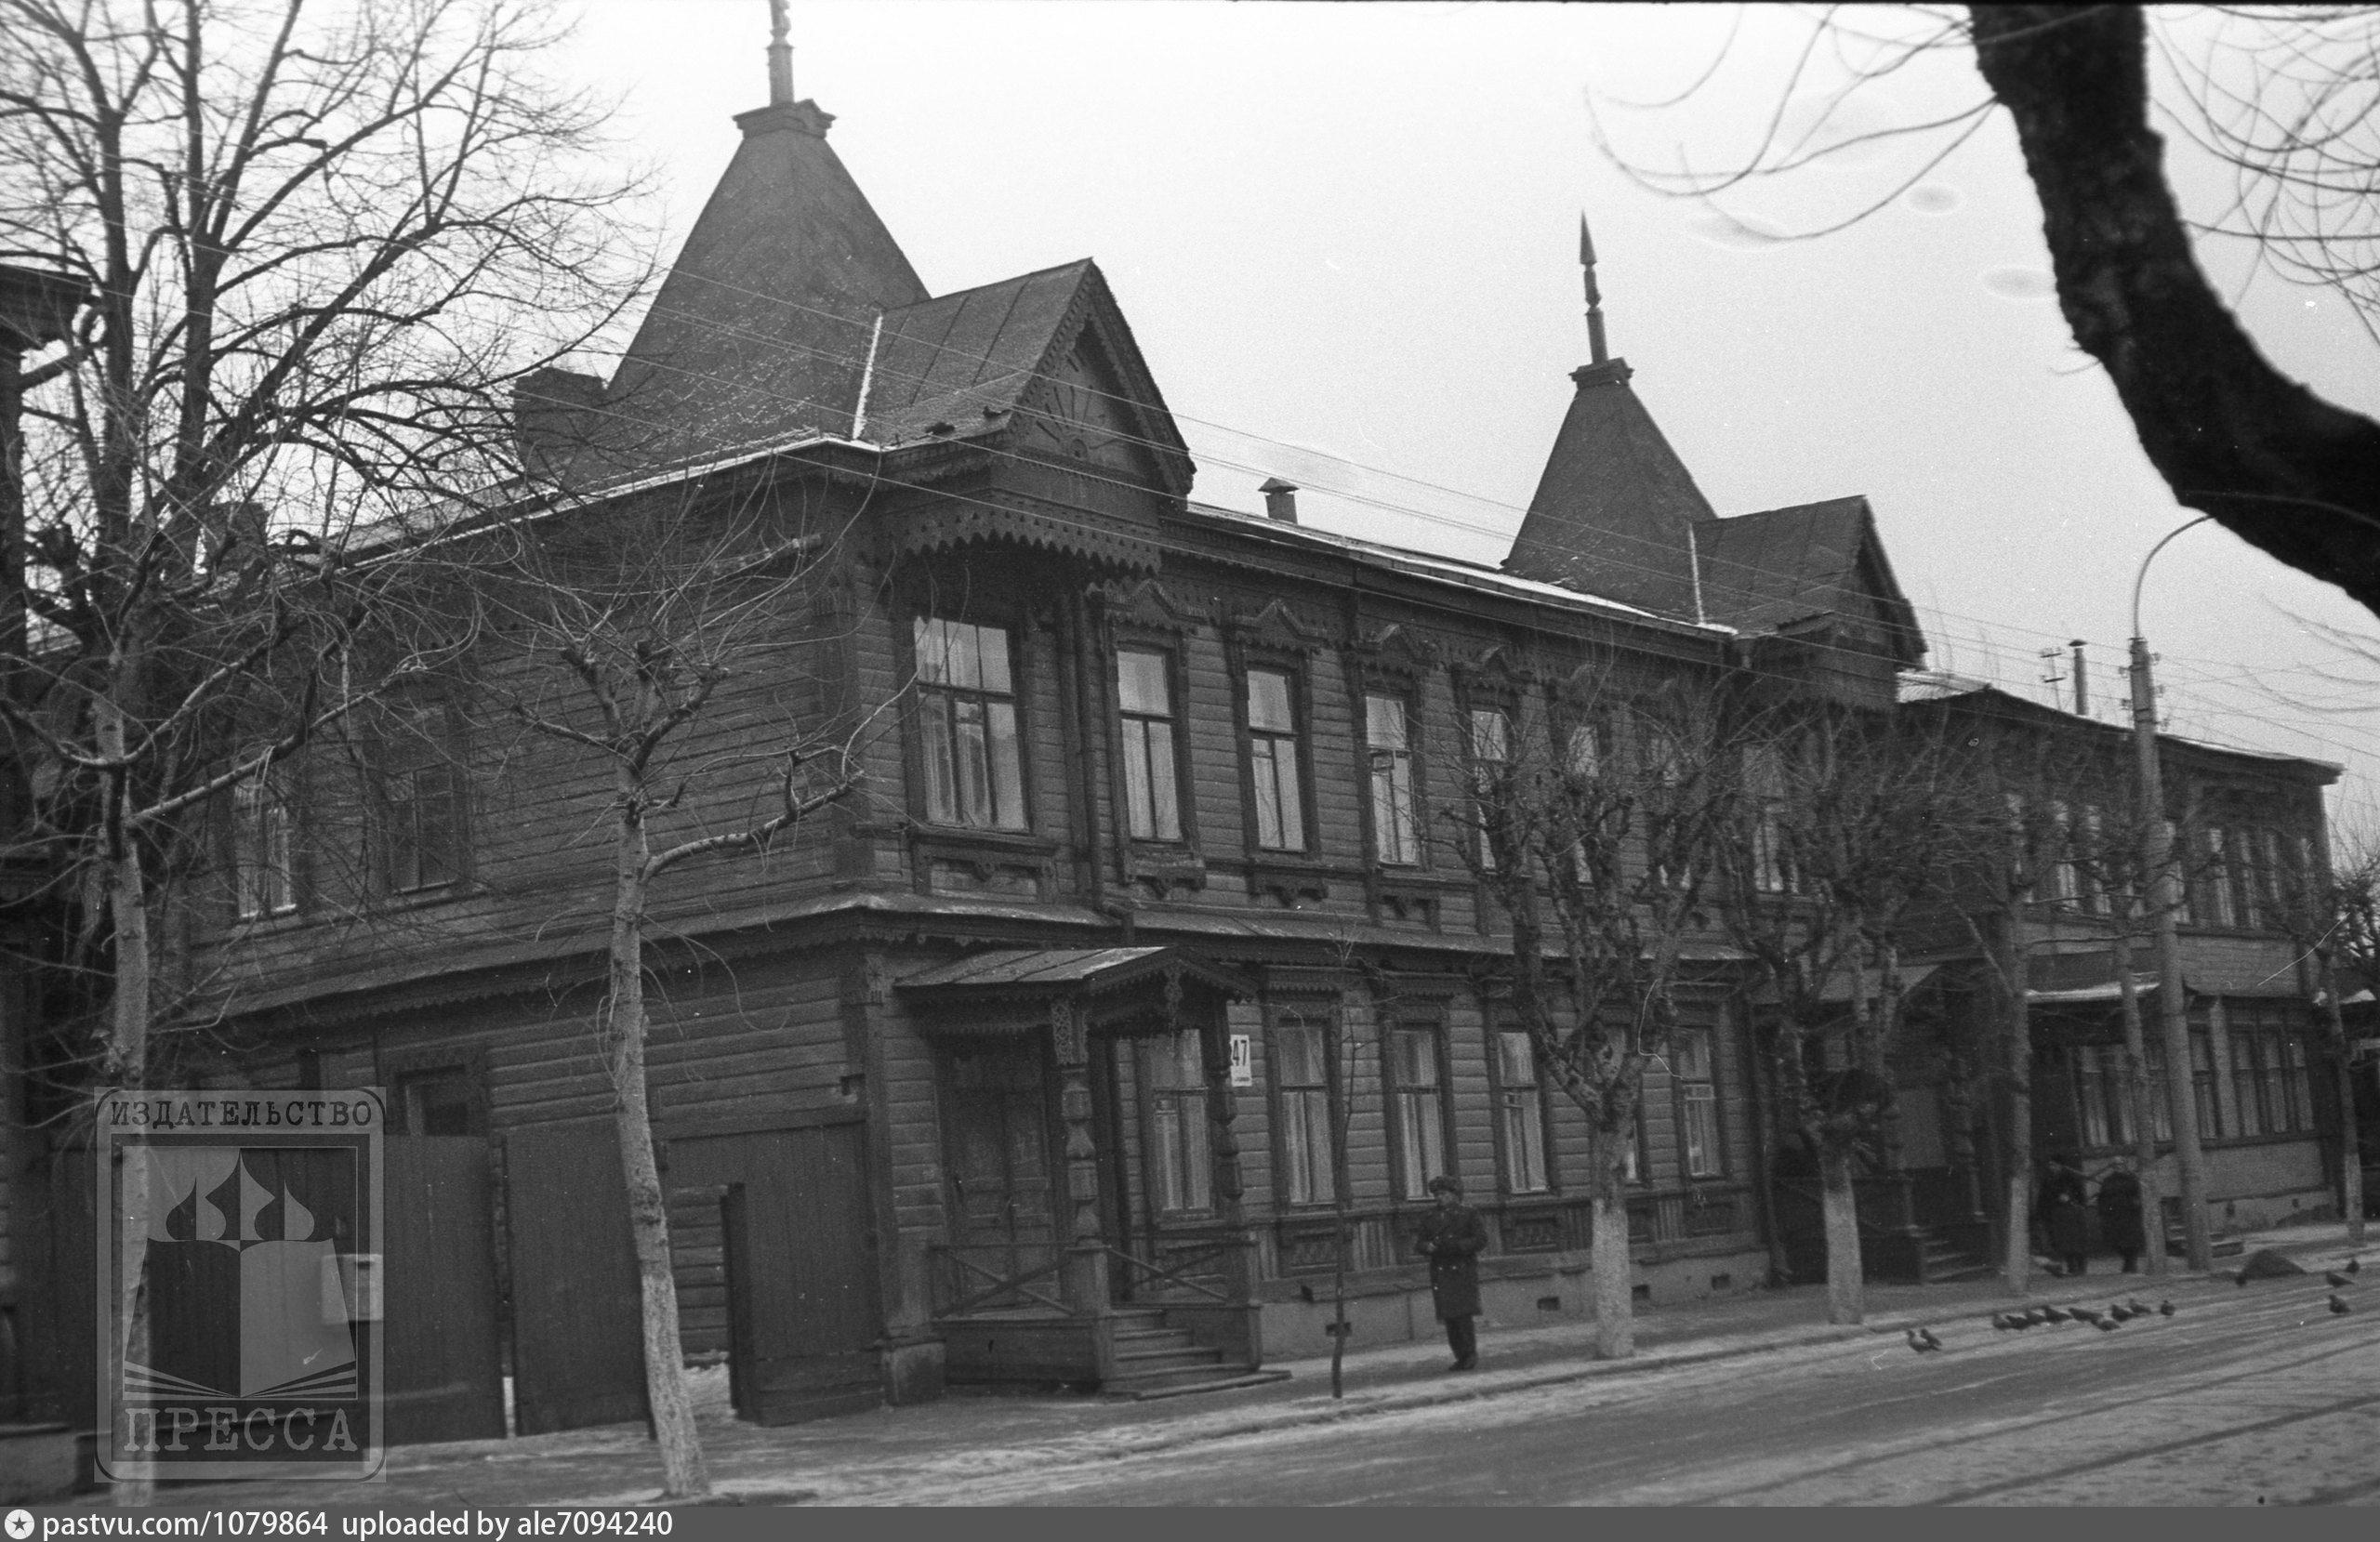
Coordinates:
2066 1215
1451 1237
2120 1218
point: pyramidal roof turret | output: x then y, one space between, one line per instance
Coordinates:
1615 512
762 330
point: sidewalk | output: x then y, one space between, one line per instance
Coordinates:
875 1457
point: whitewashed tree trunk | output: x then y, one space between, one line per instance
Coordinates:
128 1053
1613 1270
684 1473
1847 1288
2018 1041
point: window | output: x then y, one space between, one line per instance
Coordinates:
2267 1070
421 807
1521 1114
2091 864
1144 696
262 877
1764 779
1698 1093
1302 1080
1416 1110
1272 761
1180 1167
442 1102
2101 1095
1397 833
1491 755
967 699
2160 1105
2251 1084
2221 909
2062 881
2210 1111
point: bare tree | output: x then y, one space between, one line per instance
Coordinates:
661 637
1596 839
2330 905
314 250
2285 98
1842 832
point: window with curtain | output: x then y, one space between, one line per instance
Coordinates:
2210 1111
261 854
1388 751
2251 1083
1416 1109
975 773
1144 700
1492 751
2221 908
1180 1167
1302 1085
2101 1095
1698 1093
1274 760
1520 1102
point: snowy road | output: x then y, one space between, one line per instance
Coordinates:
2258 1395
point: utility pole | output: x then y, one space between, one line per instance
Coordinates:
2164 884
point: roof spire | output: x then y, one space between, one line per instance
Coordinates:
780 56
1595 295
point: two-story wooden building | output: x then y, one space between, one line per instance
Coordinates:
1139 987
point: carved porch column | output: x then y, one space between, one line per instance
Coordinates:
1085 1267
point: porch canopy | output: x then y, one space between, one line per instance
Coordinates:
1013 990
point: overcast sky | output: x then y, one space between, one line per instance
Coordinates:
1345 238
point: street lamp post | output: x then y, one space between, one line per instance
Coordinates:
2157 865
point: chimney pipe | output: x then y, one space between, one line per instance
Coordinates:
1280 500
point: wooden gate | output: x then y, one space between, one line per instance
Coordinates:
440 1355
577 1317
798 1250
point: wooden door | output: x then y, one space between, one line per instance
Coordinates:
797 1255
996 1149
577 1311
439 1354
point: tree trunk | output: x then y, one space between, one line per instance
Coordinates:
1846 1285
2139 1099
2351 1138
2017 1042
1613 1270
128 1050
683 1472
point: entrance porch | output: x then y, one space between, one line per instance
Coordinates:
1091 1168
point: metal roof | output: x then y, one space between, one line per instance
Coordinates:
1052 972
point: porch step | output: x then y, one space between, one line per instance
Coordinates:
1944 1262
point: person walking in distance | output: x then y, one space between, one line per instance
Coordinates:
2066 1215
1451 1237
2119 1220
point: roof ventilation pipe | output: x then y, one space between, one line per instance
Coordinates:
1280 500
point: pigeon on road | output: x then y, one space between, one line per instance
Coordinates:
2166 1309
2051 1314
2354 1265
2335 1280
1922 1341
2338 1305
2103 1324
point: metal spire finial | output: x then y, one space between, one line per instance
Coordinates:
1594 296
780 56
